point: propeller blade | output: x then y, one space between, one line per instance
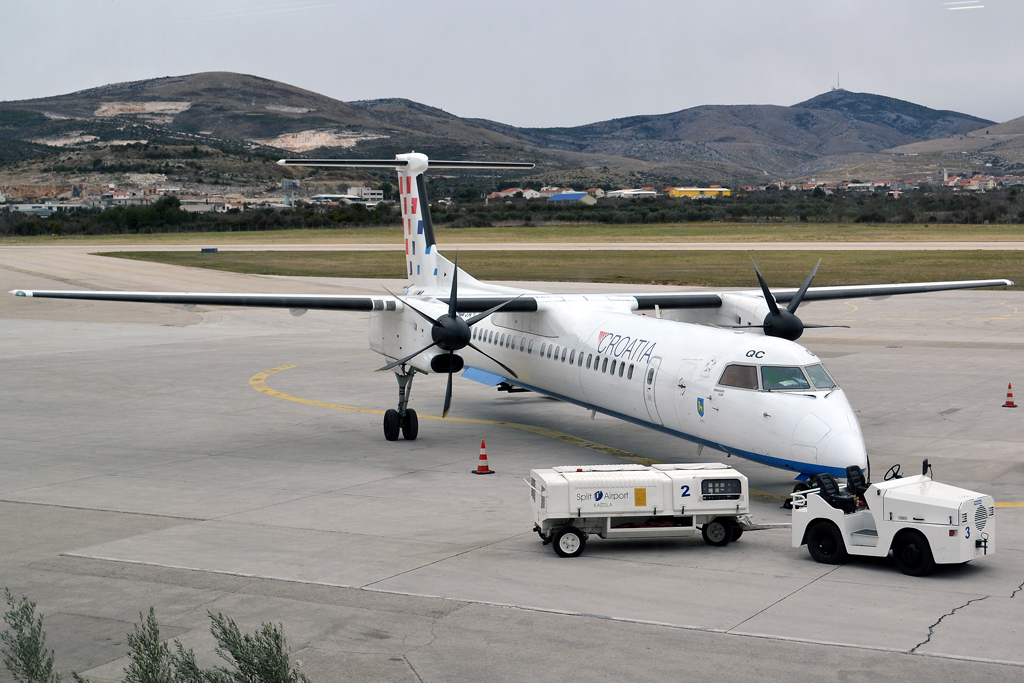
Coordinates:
507 368
799 296
404 360
480 316
767 292
448 394
424 315
454 298
806 325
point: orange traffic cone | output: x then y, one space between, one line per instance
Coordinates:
482 468
1009 397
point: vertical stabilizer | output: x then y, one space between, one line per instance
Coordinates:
420 246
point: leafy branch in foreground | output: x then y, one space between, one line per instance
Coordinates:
24 646
261 657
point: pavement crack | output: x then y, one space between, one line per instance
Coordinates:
931 629
1019 589
784 597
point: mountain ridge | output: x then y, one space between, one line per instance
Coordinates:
732 143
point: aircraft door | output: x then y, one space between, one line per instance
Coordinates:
650 384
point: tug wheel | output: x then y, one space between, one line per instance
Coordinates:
717 532
410 425
912 553
569 542
392 424
825 544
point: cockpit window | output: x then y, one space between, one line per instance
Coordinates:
742 376
819 378
778 378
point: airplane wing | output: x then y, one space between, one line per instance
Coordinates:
322 302
675 300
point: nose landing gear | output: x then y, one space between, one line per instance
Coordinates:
404 419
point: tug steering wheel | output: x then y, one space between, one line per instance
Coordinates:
893 472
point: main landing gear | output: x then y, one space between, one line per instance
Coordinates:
404 419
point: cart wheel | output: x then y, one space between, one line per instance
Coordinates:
737 531
717 532
392 424
410 425
912 553
825 544
569 542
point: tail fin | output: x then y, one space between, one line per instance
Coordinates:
422 258
418 228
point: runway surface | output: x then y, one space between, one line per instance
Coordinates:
144 464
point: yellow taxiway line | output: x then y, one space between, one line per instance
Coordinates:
259 383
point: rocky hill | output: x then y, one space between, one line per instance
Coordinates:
240 114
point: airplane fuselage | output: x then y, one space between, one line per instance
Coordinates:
662 374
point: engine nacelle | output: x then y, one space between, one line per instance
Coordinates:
736 309
447 362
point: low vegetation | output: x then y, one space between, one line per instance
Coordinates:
759 210
708 268
261 657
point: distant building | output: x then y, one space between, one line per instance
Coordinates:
551 191
574 198
631 193
699 192
367 194
596 192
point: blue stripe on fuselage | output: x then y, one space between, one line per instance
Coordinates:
799 467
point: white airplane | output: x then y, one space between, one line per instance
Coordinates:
718 369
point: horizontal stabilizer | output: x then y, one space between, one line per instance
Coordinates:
401 163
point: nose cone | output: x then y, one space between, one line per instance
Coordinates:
845 449
845 444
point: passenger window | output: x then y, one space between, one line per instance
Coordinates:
741 376
556 352
589 356
629 373
613 366
597 363
542 347
563 354
572 358
490 337
778 378
522 343
622 366
819 378
502 342
650 376
474 334
604 365
529 349
580 362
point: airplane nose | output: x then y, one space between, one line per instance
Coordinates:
845 449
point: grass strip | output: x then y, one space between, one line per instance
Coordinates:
708 268
686 232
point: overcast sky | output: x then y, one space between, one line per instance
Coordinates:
533 63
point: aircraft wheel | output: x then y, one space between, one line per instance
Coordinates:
825 544
717 532
912 553
569 542
410 425
392 425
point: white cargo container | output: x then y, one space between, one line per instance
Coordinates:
634 501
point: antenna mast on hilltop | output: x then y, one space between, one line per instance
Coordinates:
837 83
